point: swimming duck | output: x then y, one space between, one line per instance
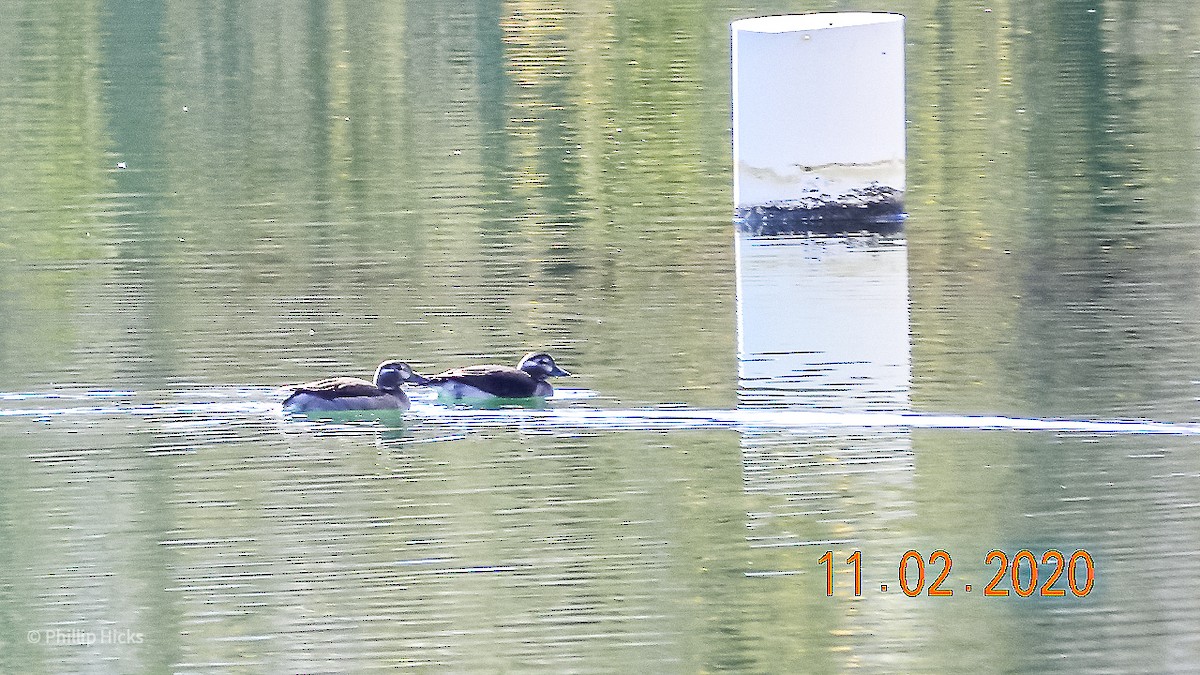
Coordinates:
352 393
488 382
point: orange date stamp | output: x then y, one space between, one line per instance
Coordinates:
1018 574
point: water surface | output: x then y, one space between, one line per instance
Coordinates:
309 189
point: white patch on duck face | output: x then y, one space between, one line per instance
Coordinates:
541 366
539 360
391 374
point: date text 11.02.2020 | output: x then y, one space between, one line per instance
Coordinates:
1020 571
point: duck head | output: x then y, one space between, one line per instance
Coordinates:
391 374
539 366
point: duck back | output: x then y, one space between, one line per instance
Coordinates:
497 381
343 393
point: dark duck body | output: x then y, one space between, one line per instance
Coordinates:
490 382
352 393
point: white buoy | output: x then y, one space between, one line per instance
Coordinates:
818 122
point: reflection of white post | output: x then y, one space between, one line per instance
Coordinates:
818 122
823 323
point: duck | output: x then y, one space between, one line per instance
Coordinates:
492 382
352 393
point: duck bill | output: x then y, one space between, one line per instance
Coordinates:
559 372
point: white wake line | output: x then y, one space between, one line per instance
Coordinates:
798 419
652 419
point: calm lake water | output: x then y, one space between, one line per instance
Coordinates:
310 188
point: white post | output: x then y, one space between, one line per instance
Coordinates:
818 122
